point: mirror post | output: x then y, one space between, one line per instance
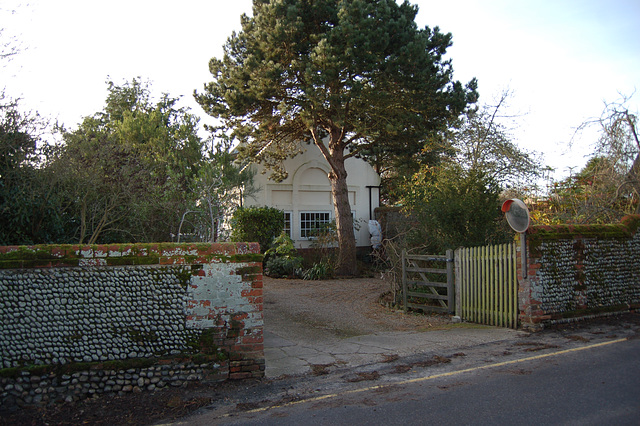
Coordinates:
517 215
523 253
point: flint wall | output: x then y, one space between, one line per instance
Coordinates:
579 271
81 320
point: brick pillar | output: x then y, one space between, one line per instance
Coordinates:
531 314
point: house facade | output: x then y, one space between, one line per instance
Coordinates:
305 195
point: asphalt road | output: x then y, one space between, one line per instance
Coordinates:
594 386
576 375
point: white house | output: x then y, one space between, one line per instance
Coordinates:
305 196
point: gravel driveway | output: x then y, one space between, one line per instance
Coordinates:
309 310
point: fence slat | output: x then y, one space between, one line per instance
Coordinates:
494 290
514 278
501 287
426 270
458 282
428 296
488 286
422 283
483 283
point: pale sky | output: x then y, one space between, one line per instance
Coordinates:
562 59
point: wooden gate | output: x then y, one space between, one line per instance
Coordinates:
428 282
487 285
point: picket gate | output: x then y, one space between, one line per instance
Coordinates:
487 285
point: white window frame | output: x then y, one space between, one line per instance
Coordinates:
304 229
355 231
288 215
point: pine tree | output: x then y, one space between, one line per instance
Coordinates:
352 77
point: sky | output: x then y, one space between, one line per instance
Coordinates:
560 59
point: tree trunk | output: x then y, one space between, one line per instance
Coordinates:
634 172
633 177
346 264
334 154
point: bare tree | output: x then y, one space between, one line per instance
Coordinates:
619 143
483 143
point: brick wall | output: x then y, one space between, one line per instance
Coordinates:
579 271
80 320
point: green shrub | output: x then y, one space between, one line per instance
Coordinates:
257 224
451 207
282 267
282 260
282 245
319 271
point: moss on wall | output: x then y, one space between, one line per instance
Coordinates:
15 257
585 268
627 228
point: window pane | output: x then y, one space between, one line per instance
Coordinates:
287 223
311 222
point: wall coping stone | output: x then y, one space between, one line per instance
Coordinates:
74 255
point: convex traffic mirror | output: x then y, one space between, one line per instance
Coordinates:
517 214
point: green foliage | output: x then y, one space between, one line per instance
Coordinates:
126 173
30 210
339 75
257 224
453 208
282 267
282 258
324 240
298 66
323 234
282 246
319 271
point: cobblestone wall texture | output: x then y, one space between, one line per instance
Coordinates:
83 320
581 271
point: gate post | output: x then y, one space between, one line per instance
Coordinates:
404 281
458 282
450 282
